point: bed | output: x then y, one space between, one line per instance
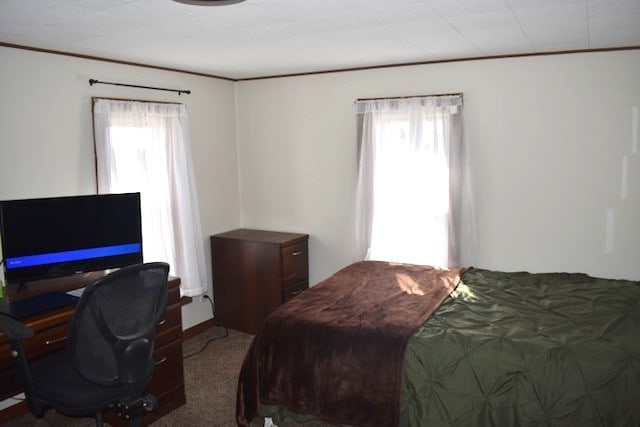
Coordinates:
497 349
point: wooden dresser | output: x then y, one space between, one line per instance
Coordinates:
255 271
50 330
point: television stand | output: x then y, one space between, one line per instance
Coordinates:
29 289
21 309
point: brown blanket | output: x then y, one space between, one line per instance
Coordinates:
336 350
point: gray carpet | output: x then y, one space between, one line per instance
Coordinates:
211 377
210 380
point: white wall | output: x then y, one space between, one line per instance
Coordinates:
46 140
553 144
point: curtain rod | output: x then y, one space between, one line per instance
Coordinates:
411 96
95 98
179 91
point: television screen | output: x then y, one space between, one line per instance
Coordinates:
60 236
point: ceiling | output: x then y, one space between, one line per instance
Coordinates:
259 38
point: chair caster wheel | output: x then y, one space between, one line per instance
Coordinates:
149 402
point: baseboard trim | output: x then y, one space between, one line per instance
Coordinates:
200 327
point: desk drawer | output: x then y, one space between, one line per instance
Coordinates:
169 371
43 342
173 296
170 327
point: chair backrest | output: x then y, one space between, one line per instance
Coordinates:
112 332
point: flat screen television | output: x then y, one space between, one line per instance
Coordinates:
61 236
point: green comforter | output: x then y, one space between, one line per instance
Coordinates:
520 349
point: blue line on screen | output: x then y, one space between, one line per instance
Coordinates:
75 255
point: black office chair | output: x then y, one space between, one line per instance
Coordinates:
108 359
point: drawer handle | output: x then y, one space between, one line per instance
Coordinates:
296 292
162 322
296 253
57 340
161 361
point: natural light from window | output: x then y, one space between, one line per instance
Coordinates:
135 147
411 194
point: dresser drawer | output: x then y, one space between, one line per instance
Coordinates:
295 261
294 289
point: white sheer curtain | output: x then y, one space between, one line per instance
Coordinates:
144 147
413 200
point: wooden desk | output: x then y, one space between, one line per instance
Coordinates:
50 330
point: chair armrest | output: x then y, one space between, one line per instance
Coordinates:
13 329
16 332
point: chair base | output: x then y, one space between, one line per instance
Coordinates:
132 410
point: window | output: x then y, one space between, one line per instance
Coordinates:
411 179
144 147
